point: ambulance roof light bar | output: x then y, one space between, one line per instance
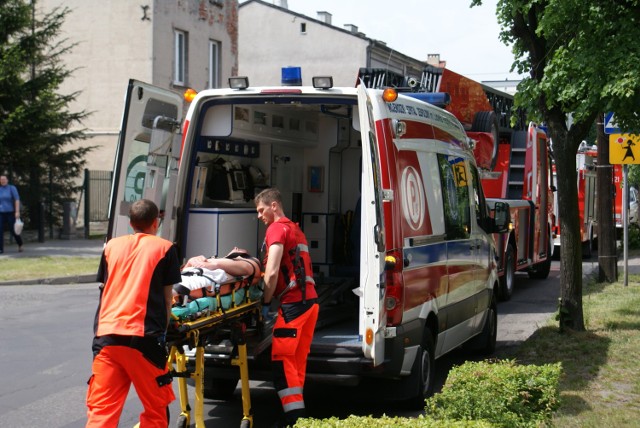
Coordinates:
239 82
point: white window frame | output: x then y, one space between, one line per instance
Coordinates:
180 57
214 64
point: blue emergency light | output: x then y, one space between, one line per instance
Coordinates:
438 99
291 76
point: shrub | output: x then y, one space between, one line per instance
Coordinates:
388 422
502 393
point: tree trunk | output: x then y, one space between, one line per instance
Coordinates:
571 315
607 256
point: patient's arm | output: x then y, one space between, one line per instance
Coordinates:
235 267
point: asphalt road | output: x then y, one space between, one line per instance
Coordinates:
46 339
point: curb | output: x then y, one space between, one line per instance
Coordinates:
73 279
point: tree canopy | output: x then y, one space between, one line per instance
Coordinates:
581 58
36 125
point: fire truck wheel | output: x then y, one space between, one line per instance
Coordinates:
507 281
487 121
219 389
541 270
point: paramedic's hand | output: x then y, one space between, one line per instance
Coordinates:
267 314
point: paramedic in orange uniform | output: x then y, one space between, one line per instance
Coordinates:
288 277
137 273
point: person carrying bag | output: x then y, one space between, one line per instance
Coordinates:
10 212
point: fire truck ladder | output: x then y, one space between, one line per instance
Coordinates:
515 187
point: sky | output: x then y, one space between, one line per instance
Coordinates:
466 38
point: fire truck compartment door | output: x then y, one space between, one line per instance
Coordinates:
372 286
147 155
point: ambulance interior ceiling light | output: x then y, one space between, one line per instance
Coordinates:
239 82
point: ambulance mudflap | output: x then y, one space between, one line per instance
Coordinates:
147 156
372 314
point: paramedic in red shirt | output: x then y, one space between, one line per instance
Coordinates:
137 273
288 277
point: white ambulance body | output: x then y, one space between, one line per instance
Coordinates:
387 193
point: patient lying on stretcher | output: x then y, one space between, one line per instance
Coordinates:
201 276
209 284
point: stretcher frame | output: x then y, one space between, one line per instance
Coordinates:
192 333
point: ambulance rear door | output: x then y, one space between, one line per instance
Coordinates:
147 156
372 237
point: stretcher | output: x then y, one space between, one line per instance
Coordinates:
233 311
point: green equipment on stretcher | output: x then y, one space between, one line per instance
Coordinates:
207 305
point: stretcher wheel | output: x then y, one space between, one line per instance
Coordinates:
246 423
181 422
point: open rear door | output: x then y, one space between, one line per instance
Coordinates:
147 156
372 287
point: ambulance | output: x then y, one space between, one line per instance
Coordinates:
383 184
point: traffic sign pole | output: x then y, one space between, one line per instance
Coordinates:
625 222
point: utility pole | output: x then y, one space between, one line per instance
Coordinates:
607 255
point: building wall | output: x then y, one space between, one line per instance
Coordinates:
118 40
321 50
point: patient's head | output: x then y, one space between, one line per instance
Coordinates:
237 252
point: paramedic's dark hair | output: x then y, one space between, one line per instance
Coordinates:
142 214
269 195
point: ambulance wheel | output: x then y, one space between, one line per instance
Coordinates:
487 121
485 342
424 370
219 389
182 422
507 280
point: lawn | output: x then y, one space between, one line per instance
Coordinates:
600 385
24 268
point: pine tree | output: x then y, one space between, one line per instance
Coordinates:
36 126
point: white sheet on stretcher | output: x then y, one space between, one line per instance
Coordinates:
207 279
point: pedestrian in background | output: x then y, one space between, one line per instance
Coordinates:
137 273
288 276
9 211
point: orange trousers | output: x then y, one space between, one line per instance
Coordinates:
114 369
290 347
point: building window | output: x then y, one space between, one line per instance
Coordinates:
214 64
180 58
303 28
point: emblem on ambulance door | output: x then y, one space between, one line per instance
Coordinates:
413 198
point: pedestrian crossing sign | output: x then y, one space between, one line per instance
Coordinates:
624 149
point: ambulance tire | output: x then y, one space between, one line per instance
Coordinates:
507 280
487 121
219 389
485 343
424 371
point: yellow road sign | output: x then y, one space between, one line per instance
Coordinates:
624 149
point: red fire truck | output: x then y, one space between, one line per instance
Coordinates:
586 162
514 162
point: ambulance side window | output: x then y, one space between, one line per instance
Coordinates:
480 204
454 178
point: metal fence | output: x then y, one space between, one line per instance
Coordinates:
96 189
